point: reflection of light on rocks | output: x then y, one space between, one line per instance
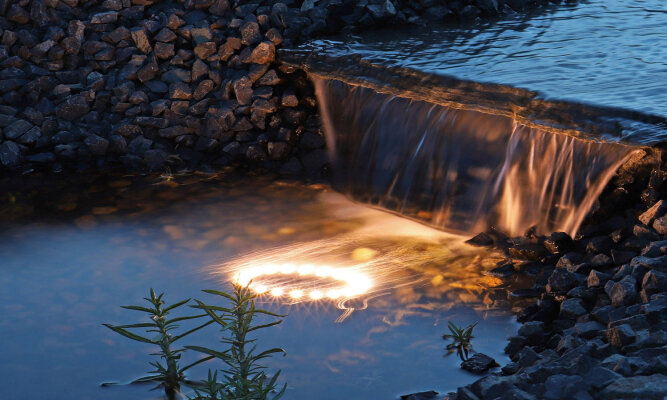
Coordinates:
351 283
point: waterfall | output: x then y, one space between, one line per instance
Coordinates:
458 169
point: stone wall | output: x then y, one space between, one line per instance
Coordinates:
145 84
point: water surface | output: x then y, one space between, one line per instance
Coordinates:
603 52
72 253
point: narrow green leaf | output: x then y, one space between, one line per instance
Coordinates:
139 308
175 305
128 334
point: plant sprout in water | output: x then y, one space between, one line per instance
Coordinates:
461 339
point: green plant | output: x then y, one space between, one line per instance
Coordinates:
244 377
169 374
461 339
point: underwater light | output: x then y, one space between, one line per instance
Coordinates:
353 283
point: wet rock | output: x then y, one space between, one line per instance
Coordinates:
430 395
560 281
479 363
558 243
637 387
656 211
502 271
10 154
532 329
463 393
480 240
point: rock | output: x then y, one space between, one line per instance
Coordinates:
621 257
17 128
561 386
180 91
620 335
164 51
491 386
278 150
660 225
654 282
599 244
17 14
243 90
430 395
569 260
73 108
108 17
560 281
155 159
382 11
31 136
623 292
165 35
572 309
658 263
140 39
532 329
558 243
479 363
149 70
463 393
597 278
10 154
205 50
637 387
98 145
250 34
503 271
263 53
588 330
480 240
656 211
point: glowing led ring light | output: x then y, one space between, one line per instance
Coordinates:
356 283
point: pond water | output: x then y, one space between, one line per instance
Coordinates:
73 252
603 52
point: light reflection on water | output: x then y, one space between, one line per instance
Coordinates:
602 52
89 251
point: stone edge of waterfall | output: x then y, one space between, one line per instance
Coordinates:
583 121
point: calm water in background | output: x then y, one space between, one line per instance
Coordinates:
71 254
602 52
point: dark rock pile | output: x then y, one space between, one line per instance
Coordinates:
146 84
599 327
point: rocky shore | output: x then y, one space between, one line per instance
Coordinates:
145 84
598 329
